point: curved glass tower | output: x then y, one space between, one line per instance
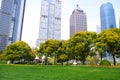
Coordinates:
107 16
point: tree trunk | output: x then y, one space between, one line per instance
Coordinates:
12 61
100 58
83 60
114 61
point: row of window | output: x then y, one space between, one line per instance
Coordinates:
0 3
45 33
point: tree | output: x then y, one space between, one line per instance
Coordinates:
117 30
17 51
62 58
1 52
50 48
111 39
80 44
35 51
100 48
61 52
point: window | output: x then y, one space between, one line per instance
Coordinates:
14 10
0 3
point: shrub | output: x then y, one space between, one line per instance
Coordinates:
51 60
105 63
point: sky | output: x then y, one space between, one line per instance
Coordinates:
91 7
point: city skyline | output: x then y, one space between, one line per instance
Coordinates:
92 9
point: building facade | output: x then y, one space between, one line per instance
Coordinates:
11 21
78 21
107 16
119 22
50 21
98 29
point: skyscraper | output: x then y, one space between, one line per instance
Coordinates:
50 21
11 21
107 16
119 22
78 21
98 29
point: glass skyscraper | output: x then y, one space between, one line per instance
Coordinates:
119 22
11 21
50 21
78 21
107 16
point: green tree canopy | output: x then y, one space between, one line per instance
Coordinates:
50 48
62 51
80 44
111 40
18 50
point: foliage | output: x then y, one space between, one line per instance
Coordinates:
117 30
18 50
105 63
52 48
1 52
83 44
63 58
51 60
55 48
62 52
110 40
1 55
93 60
49 47
80 45
35 51
90 59
100 48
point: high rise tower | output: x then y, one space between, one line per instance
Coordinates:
98 29
107 16
11 21
78 21
119 22
50 21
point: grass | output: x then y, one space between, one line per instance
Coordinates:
38 72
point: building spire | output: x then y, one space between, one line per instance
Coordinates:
77 6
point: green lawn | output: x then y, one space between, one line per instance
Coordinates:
38 72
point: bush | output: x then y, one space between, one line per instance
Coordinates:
105 63
51 60
3 62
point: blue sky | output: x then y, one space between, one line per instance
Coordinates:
91 7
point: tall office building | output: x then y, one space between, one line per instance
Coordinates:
0 3
119 22
78 21
98 29
11 21
50 21
107 16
